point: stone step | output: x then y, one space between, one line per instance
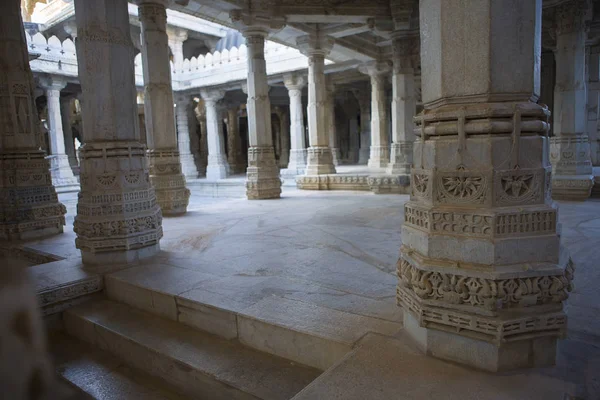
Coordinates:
303 332
96 374
199 365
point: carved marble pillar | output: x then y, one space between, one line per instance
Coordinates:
182 109
262 180
118 218
234 156
200 113
331 123
66 113
62 174
297 160
482 275
403 104
217 167
572 176
176 37
319 156
163 154
29 207
283 131
364 102
379 156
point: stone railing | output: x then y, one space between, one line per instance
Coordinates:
55 57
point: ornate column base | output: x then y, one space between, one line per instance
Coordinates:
29 206
319 161
60 169
335 155
262 179
400 159
363 155
118 217
188 166
169 183
379 157
572 176
297 164
217 168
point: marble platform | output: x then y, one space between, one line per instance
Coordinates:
309 278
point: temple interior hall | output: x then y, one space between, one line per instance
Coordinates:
300 199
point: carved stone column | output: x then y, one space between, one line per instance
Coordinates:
297 161
331 126
65 111
379 156
165 165
482 275
176 37
319 157
200 113
284 136
234 156
182 109
403 105
29 207
217 167
572 176
118 218
364 102
262 180
352 112
61 171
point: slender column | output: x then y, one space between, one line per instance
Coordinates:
572 176
284 129
217 167
319 157
379 155
351 112
118 218
176 38
165 165
364 102
233 141
263 180
62 175
403 105
29 207
200 113
480 187
188 166
331 126
65 111
297 161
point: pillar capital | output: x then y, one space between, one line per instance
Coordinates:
573 16
294 81
153 14
182 98
376 68
52 83
177 34
405 51
252 23
315 44
212 95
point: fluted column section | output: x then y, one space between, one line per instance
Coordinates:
262 179
62 174
118 218
403 105
572 177
297 161
165 165
186 157
319 157
379 155
29 207
217 166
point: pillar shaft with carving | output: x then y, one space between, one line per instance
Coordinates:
331 123
29 206
480 188
217 166
184 143
118 218
284 132
234 156
403 105
572 177
319 157
262 178
165 165
62 174
297 161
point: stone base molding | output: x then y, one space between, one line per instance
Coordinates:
61 172
118 217
262 179
169 183
571 167
188 166
217 167
379 157
29 206
297 163
378 184
319 161
400 159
